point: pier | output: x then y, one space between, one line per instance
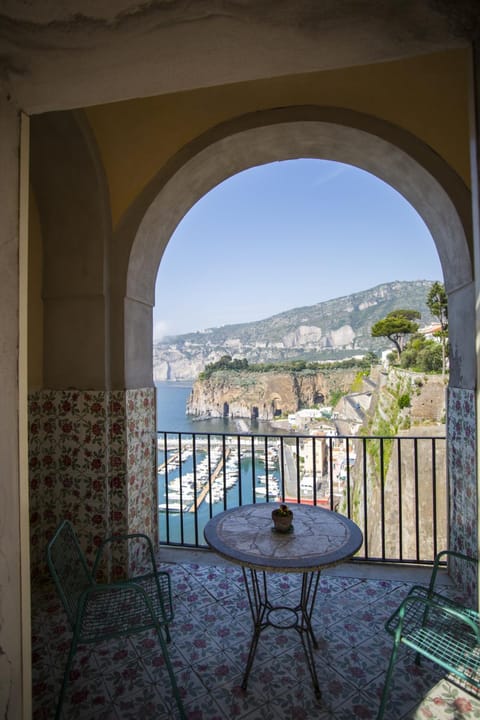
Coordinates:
208 485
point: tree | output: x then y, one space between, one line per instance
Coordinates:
437 303
422 355
396 326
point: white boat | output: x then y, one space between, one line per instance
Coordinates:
172 507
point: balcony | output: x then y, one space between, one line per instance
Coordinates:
394 488
210 635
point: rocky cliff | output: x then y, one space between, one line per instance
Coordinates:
330 330
264 396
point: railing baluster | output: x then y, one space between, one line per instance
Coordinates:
365 499
434 496
297 450
400 500
417 509
375 471
239 463
382 495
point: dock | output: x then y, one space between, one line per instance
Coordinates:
206 488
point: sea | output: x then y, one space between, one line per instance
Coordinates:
186 527
171 414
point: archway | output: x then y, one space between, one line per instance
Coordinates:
393 155
402 161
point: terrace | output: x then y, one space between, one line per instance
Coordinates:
212 627
210 636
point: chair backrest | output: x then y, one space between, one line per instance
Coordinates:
69 568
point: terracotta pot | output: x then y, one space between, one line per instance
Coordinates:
282 523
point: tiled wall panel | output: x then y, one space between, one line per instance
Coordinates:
91 461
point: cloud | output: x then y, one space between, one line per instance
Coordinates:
160 329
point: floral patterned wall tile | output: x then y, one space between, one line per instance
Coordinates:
91 461
461 437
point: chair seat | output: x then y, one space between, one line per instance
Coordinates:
120 608
444 637
438 628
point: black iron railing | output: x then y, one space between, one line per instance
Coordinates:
394 488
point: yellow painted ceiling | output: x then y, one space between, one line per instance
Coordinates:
426 95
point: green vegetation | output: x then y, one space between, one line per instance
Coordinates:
437 303
357 384
421 355
291 366
404 401
396 326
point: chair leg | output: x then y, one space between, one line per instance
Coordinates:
68 667
171 674
167 633
388 678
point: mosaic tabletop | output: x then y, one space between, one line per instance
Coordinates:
320 538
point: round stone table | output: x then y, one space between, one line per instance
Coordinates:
319 539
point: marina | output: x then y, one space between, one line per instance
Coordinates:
206 477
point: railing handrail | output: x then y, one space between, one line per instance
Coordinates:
369 478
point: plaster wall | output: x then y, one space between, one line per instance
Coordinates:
35 298
425 95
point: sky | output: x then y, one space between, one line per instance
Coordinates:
286 235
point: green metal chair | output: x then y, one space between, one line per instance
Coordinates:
438 628
99 611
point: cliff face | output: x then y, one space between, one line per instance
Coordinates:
263 395
331 330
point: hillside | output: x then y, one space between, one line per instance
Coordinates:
330 330
265 396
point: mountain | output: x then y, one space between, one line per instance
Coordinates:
330 330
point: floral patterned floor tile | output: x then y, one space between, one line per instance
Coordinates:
329 612
446 701
218 670
351 630
359 668
358 706
234 702
296 702
331 585
84 696
378 647
126 679
409 683
195 646
203 708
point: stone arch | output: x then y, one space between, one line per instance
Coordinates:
387 151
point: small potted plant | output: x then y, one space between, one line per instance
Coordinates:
282 518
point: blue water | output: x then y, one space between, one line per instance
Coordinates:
171 411
171 414
187 527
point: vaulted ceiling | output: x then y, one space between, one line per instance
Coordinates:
75 53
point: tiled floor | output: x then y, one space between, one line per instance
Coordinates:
126 679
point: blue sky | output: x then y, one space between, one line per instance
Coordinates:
285 235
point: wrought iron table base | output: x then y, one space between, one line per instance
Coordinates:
263 616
